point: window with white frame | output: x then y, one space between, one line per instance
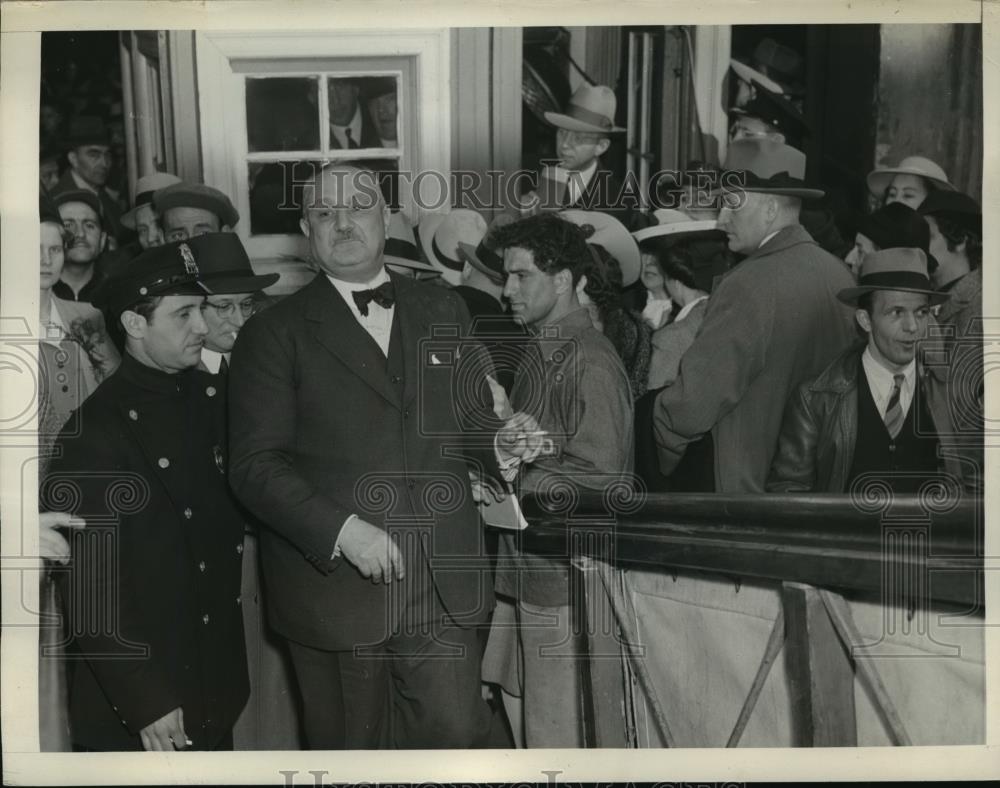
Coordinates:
274 107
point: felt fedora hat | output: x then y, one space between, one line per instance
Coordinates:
590 109
196 195
484 257
880 178
776 111
144 189
224 265
677 225
893 269
753 77
87 130
441 233
610 233
956 207
400 248
768 167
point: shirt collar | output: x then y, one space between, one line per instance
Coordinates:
686 309
767 238
212 359
152 378
880 377
346 288
354 126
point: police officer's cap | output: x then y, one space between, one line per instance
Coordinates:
171 269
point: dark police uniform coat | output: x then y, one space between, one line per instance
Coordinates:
153 587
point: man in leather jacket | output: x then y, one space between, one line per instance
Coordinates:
877 413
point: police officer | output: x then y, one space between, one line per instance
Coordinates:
154 581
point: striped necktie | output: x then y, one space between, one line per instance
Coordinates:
894 410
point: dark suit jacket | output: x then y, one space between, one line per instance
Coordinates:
323 425
369 134
153 592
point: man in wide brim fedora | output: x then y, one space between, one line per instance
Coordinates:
877 412
88 150
768 114
772 321
579 180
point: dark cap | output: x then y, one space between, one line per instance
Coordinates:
373 87
224 265
171 269
956 207
47 211
87 130
77 195
896 226
196 195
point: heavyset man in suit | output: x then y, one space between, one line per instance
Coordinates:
342 433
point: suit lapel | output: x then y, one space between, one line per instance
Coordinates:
339 332
414 325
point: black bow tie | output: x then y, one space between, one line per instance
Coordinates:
382 295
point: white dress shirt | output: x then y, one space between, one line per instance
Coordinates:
378 321
880 381
355 126
212 359
577 182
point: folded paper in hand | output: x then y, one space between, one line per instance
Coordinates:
506 514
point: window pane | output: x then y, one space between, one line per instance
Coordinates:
276 195
363 112
282 113
387 171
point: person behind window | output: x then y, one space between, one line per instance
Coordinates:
350 126
382 105
877 412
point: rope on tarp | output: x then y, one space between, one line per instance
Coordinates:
774 643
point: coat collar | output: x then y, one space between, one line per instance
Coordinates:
842 374
153 379
785 238
968 289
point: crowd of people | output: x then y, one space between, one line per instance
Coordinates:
352 436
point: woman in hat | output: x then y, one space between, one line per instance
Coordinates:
909 182
680 258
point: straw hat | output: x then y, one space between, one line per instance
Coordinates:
879 179
612 235
591 109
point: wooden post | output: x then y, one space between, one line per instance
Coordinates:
603 679
820 672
